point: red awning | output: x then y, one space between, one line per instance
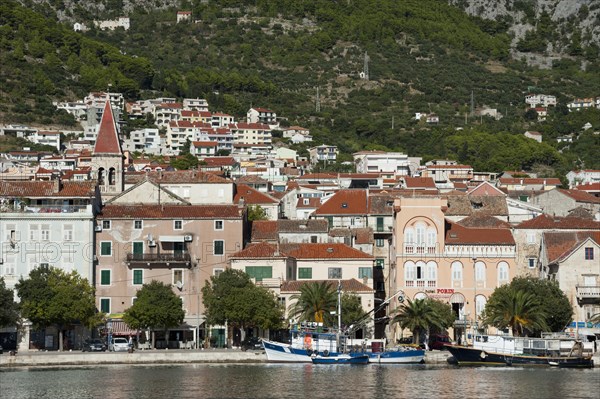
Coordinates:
119 327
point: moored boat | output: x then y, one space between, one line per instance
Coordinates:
499 350
340 359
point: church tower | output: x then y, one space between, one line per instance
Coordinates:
107 158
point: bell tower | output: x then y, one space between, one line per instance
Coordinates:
107 158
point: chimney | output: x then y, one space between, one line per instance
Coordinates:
56 185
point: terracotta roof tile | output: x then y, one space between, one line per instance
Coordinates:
175 176
259 250
170 212
107 141
589 187
461 205
457 234
363 235
561 244
264 230
482 220
345 202
47 189
323 251
352 285
581 196
547 222
528 180
419 182
251 196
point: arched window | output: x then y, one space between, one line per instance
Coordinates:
420 227
111 176
502 273
409 271
420 270
480 271
431 240
457 273
480 302
420 295
409 239
432 271
101 176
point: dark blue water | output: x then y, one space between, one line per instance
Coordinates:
298 381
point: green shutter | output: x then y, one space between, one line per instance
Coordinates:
105 305
138 277
104 277
106 248
259 272
379 263
138 248
305 272
218 248
379 224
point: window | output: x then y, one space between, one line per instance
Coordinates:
365 272
530 238
379 242
178 276
457 271
431 271
105 277
379 263
313 239
410 272
33 232
380 286
531 262
479 271
379 224
218 248
45 232
106 248
216 272
502 273
259 272
106 224
218 225
409 236
305 272
334 272
589 253
68 232
330 221
105 305
138 276
177 224
138 224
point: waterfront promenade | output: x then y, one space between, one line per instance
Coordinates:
44 359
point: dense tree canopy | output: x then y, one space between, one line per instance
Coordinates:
232 297
50 296
529 306
9 309
423 315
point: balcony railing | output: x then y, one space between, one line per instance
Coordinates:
46 208
268 282
420 283
419 249
588 291
165 259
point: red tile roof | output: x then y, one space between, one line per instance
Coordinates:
219 161
313 202
345 202
47 189
580 196
259 250
559 245
251 196
323 251
112 211
551 181
547 222
589 187
457 234
482 220
107 141
204 143
419 182
265 230
175 176
251 126
352 285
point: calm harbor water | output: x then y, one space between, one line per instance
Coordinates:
298 381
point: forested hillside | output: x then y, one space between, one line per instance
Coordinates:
422 56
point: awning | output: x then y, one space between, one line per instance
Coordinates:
119 327
457 298
171 238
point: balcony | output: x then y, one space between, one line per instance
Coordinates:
46 208
418 249
268 282
420 283
160 260
588 293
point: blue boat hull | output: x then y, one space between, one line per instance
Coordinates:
342 359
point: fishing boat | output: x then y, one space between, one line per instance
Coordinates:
340 359
551 349
313 339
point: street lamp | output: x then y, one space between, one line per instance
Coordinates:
475 290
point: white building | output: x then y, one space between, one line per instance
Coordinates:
323 153
112 24
146 140
542 100
386 162
583 176
251 134
195 104
261 115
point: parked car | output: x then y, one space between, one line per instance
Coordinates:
93 345
439 341
252 343
119 345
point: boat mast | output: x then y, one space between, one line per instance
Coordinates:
339 303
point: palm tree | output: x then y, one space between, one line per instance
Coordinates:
520 310
316 299
417 315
